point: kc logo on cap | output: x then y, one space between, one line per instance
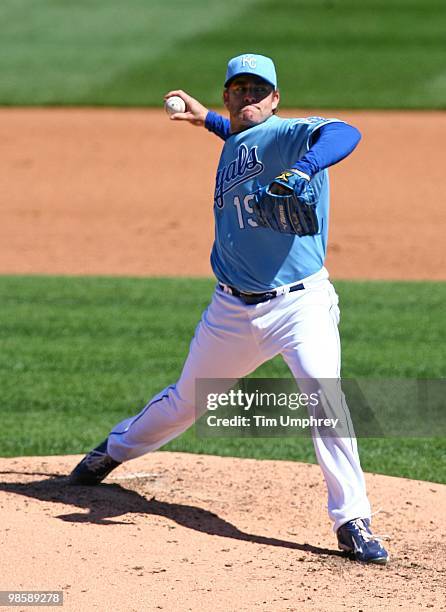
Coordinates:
249 60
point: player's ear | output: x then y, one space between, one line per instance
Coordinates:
225 97
276 99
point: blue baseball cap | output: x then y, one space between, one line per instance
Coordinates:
250 63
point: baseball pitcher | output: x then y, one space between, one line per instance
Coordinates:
273 295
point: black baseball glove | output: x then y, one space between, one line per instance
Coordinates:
287 205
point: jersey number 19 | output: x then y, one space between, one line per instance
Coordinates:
248 209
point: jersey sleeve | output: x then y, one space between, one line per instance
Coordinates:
333 142
295 137
217 124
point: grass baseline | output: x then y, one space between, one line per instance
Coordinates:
79 354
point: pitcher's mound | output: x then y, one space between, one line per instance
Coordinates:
178 532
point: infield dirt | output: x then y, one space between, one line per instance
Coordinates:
129 193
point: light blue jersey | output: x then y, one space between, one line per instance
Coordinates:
252 258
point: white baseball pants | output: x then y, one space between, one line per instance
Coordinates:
232 340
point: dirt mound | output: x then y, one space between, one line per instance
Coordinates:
178 532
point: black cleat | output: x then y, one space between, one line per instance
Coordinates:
94 467
357 539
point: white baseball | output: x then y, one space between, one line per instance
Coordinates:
174 104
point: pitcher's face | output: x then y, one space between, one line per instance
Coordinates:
250 100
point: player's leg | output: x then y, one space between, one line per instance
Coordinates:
312 353
223 347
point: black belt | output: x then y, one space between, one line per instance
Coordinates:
258 298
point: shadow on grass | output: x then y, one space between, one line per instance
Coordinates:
107 501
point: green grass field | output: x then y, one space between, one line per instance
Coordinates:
329 53
79 354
